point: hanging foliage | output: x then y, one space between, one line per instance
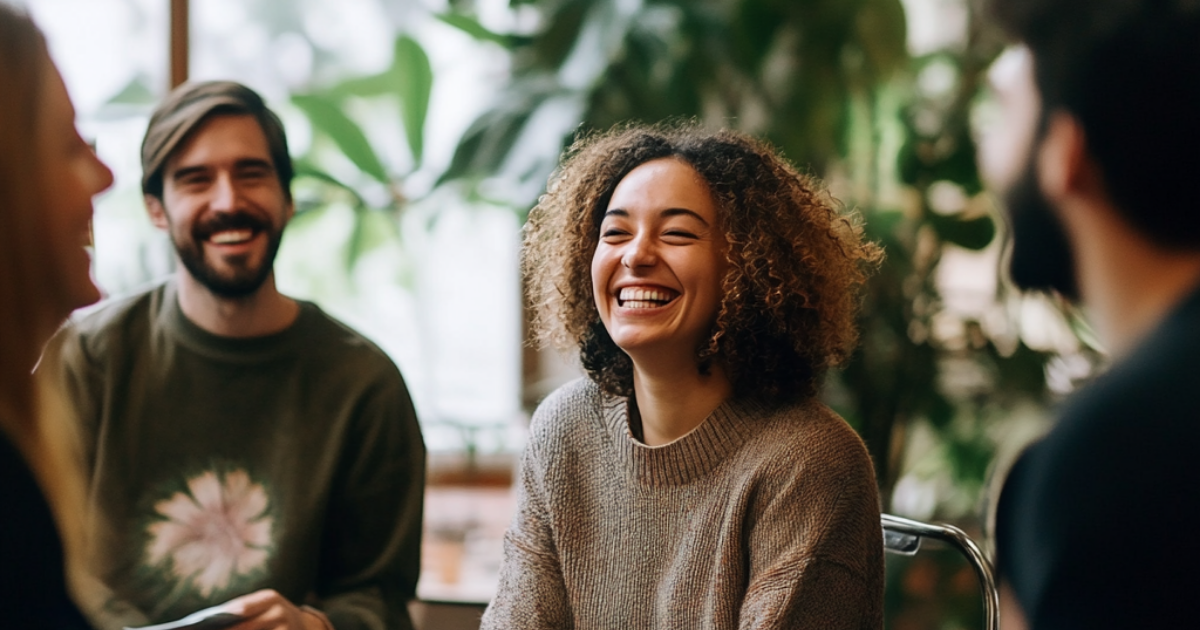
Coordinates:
830 82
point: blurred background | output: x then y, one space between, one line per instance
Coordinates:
425 129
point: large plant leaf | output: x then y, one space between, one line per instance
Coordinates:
489 140
372 228
923 160
486 143
554 44
648 82
974 233
753 32
414 80
372 85
409 79
472 27
305 168
882 33
330 120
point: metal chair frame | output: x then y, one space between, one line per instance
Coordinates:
903 536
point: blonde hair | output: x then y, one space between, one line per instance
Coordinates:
32 416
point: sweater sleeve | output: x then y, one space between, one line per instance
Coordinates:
370 554
532 594
66 362
815 545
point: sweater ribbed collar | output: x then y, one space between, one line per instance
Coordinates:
231 349
691 456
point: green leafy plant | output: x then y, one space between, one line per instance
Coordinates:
407 83
832 84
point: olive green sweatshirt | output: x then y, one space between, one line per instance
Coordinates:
220 466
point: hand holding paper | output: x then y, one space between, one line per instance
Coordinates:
261 610
268 610
215 618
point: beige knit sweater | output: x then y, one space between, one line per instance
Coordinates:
756 519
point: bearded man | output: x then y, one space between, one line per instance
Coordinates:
244 448
1097 161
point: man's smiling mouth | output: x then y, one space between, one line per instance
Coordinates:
636 297
232 237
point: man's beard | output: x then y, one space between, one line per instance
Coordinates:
242 281
1040 257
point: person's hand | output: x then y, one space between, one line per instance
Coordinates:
268 610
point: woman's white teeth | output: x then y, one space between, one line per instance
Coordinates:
633 297
644 294
231 236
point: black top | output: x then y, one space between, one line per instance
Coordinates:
33 591
1097 526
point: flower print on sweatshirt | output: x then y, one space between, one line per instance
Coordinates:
216 531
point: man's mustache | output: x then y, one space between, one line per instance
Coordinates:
229 221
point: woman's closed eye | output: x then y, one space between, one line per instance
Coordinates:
679 234
612 233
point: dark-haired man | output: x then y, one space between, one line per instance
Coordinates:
1097 165
244 448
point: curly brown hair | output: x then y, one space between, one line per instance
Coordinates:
796 259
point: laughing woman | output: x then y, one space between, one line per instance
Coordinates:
693 480
48 175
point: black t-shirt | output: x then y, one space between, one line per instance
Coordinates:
1098 525
32 588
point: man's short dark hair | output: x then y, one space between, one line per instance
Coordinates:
191 104
1129 72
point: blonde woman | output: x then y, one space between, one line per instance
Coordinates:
48 175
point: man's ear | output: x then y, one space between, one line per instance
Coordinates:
1065 168
158 214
